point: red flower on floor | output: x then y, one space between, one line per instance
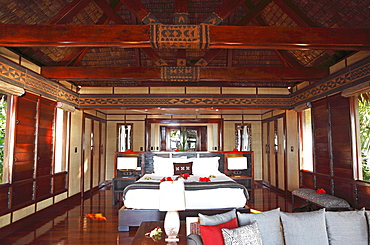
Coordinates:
321 191
97 216
204 179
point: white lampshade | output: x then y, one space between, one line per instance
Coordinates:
171 196
126 162
237 163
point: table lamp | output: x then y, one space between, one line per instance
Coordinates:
172 199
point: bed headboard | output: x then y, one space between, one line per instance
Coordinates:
145 161
148 158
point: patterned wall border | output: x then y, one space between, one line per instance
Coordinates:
19 76
183 101
35 83
339 81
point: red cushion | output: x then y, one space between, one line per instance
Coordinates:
212 234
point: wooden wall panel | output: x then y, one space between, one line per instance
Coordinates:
307 179
341 137
321 131
43 187
334 169
25 131
60 182
22 193
344 189
4 197
363 194
323 181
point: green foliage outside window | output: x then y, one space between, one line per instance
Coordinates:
3 105
364 115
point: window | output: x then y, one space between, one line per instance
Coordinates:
306 153
6 131
364 135
124 137
61 140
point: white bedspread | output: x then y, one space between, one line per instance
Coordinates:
199 199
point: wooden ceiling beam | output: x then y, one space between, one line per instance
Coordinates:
298 16
223 11
68 12
286 58
253 13
74 57
253 37
140 11
206 73
110 12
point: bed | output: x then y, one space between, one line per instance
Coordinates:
219 193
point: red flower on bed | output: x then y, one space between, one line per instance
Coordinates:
166 179
185 175
204 179
321 191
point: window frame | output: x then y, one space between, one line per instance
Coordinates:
302 144
64 144
9 139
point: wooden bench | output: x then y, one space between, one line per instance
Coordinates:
326 201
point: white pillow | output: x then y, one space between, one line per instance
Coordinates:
163 166
205 166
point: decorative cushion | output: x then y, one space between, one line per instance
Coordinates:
182 168
268 224
347 227
212 234
304 228
244 235
217 218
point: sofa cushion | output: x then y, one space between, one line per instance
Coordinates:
217 218
247 234
367 213
268 224
304 228
194 239
347 227
212 234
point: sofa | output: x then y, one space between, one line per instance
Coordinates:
275 227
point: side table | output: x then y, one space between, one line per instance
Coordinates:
147 226
119 184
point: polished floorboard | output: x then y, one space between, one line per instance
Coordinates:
72 225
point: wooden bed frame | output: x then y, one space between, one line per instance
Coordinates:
128 217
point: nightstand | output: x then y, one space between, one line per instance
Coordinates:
119 184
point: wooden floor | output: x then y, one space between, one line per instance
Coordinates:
70 225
